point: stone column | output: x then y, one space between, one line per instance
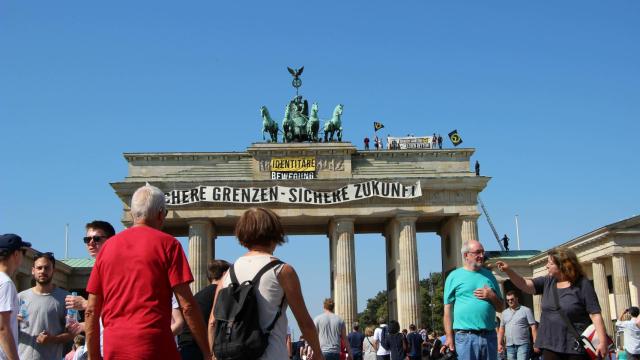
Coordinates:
407 277
621 282
469 230
343 266
602 291
201 234
391 261
537 306
450 244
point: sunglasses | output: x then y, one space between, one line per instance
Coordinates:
95 238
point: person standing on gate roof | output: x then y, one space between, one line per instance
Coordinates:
376 142
505 242
42 331
471 298
439 141
260 231
576 298
332 332
188 348
12 251
631 332
366 143
140 268
516 322
477 168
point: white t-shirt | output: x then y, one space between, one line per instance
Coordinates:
377 336
9 302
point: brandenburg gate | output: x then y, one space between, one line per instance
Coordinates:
321 188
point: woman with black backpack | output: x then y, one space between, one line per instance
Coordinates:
267 286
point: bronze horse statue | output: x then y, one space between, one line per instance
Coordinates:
334 125
313 125
269 125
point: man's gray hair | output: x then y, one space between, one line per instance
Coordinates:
147 202
465 248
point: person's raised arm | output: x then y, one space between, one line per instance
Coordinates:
193 317
290 283
526 285
92 326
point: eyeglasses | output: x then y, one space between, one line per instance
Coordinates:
95 238
479 252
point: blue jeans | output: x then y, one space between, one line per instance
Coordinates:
518 352
471 346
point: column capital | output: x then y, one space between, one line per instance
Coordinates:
473 217
341 224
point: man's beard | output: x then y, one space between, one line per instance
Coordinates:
46 281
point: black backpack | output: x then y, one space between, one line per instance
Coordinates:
238 335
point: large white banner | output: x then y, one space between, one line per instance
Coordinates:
293 195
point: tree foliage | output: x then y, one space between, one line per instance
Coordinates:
377 306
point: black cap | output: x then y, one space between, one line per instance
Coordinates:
12 242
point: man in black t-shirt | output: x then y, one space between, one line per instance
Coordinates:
186 343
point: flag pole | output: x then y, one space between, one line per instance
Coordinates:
517 232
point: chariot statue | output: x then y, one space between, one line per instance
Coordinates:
298 125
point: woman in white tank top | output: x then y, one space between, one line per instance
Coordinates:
260 231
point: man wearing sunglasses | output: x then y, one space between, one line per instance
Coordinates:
12 250
516 321
42 319
98 232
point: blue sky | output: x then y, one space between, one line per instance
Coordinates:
546 91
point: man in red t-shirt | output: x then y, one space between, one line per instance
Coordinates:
131 285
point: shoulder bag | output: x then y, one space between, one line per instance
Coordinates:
588 340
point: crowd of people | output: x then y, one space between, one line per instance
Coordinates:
140 305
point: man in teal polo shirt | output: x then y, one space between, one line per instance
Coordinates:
474 294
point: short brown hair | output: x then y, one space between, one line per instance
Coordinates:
216 268
329 304
259 226
512 293
567 262
107 228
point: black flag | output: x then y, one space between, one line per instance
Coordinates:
455 138
377 126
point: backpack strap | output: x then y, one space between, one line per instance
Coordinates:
234 278
264 269
255 280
